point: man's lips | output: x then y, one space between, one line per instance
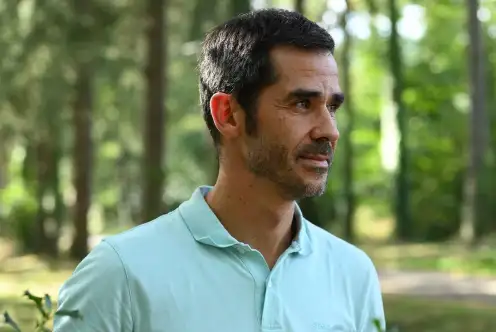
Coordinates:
319 160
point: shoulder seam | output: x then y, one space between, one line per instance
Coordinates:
127 279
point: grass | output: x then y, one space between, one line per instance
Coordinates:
452 258
409 314
427 315
455 258
30 273
18 274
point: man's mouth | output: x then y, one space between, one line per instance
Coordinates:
317 160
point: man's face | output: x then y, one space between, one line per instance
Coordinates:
296 131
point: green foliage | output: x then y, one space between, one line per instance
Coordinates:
378 327
377 324
44 312
22 221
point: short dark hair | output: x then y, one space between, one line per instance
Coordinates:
235 57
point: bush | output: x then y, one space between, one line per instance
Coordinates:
22 225
45 313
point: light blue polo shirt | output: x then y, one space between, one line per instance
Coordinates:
183 272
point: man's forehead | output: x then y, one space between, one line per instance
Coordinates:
292 64
305 69
287 59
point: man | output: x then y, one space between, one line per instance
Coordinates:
240 257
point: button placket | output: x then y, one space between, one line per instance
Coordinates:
272 312
254 262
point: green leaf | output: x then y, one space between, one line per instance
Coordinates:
377 324
38 301
9 321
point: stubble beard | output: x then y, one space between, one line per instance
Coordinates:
271 161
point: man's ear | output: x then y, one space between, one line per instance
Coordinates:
222 109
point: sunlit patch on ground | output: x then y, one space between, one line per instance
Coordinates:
18 274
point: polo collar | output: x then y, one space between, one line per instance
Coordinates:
207 229
203 223
302 242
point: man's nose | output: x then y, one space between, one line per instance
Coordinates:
326 128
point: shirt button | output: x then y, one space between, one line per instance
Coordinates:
270 284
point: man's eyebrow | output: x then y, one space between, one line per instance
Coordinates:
336 98
303 94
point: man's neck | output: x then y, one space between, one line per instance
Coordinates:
253 213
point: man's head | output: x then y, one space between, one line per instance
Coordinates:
269 91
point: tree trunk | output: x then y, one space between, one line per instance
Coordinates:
53 178
348 182
42 169
4 163
402 209
47 162
299 6
477 127
372 8
82 160
155 117
83 144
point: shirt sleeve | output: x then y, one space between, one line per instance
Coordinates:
99 290
373 308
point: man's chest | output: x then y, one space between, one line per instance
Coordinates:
227 299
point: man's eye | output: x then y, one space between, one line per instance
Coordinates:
332 108
304 104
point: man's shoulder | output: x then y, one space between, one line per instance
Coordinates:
339 249
157 235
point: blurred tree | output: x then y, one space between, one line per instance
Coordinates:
82 121
478 128
402 207
436 99
299 6
155 116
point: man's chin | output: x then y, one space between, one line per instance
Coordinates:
314 190
314 187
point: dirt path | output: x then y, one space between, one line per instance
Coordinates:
439 285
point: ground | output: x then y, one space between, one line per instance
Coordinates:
454 258
432 315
